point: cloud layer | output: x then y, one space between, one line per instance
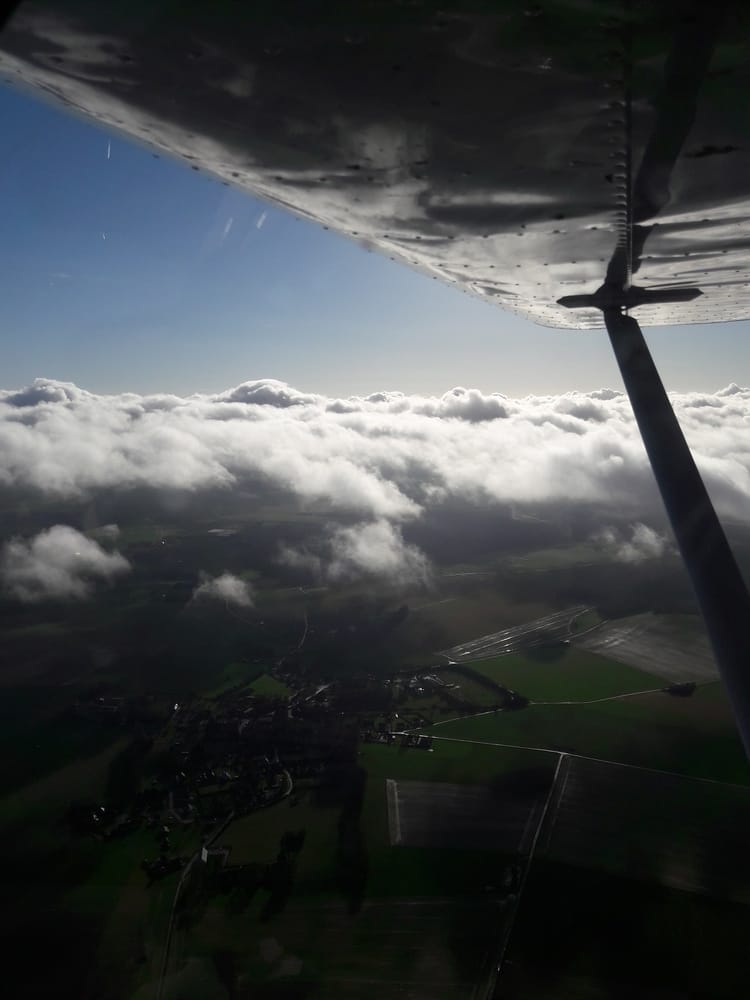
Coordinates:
227 587
384 457
638 544
59 563
374 548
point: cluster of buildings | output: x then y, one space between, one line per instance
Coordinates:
241 751
235 753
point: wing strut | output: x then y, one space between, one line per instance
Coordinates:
722 595
718 583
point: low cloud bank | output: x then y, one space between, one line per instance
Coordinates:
57 564
384 459
384 456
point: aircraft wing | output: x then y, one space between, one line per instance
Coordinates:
573 161
485 144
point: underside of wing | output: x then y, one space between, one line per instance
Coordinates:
486 144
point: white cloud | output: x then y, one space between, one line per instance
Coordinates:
227 587
378 549
384 457
374 548
304 560
639 544
59 563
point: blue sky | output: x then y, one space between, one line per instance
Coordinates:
121 270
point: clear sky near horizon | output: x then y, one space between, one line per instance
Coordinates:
122 270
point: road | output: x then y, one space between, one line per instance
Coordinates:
173 912
568 753
301 643
492 711
489 988
286 791
598 701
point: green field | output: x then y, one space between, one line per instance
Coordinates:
677 944
110 926
419 871
363 919
471 690
143 534
560 557
249 677
320 950
92 892
693 736
40 629
460 763
564 673
234 675
269 687
421 917
255 839
39 719
586 621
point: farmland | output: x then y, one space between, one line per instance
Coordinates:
438 814
564 673
588 934
91 896
692 736
313 674
269 687
683 833
420 923
58 736
418 948
674 648
634 862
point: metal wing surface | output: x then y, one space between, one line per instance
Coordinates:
486 144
